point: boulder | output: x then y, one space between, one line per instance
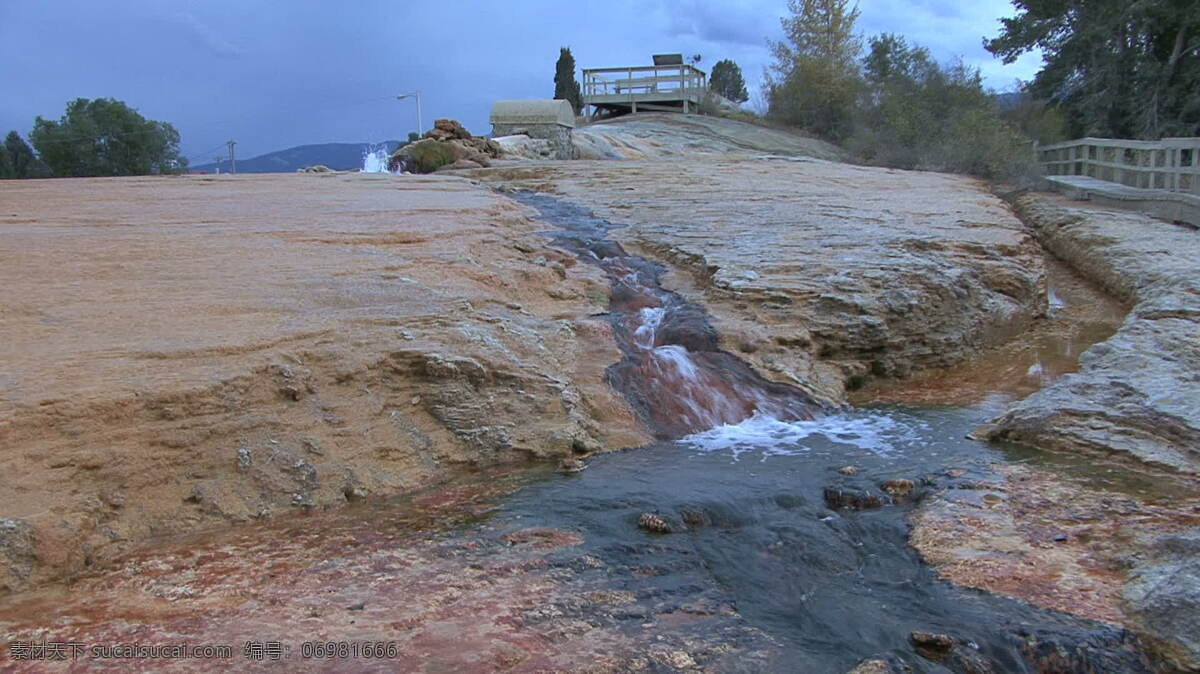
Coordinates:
446 129
444 147
423 156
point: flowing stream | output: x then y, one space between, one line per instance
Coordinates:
672 373
743 467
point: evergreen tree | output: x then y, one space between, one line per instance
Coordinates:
1118 68
20 156
566 87
726 79
105 137
815 78
6 165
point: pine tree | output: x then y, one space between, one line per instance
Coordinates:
726 79
1119 68
566 87
6 166
20 155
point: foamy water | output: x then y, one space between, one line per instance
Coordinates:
872 431
375 159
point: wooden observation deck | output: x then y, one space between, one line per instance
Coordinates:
670 85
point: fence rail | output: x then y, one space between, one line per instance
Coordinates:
650 86
1171 164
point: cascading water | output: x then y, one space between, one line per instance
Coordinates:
673 371
375 159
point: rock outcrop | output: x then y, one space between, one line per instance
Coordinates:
187 352
820 273
659 136
448 145
1138 393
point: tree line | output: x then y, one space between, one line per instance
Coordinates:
99 137
1112 68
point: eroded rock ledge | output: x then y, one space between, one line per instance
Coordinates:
180 353
820 274
1138 393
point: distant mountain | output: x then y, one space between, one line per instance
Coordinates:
337 156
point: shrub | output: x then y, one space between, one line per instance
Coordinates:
425 156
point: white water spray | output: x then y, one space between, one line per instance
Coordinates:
375 159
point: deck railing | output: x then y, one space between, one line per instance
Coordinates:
681 79
1171 164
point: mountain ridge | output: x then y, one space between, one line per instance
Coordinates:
337 156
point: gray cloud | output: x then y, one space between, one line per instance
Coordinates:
271 75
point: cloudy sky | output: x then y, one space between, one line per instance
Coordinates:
271 75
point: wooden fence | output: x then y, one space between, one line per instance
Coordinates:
1171 164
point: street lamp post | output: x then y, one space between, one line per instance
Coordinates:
416 95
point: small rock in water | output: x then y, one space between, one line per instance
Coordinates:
571 465
899 487
854 499
654 523
848 470
873 666
932 642
695 518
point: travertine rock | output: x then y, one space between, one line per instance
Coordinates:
1138 393
185 352
1163 596
820 273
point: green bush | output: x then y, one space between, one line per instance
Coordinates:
426 156
918 114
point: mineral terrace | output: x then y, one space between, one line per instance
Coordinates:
182 354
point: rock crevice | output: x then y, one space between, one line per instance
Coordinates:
1137 394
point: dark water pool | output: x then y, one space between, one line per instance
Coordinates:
830 587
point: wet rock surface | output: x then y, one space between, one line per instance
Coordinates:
435 576
1067 537
181 353
1137 394
820 274
1163 597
